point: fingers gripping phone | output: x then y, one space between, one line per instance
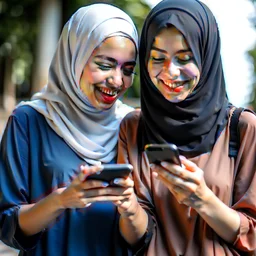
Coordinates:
112 171
157 153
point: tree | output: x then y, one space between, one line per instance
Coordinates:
252 54
19 32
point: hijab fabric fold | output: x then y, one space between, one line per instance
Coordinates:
194 123
90 132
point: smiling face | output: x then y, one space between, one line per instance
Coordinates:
109 71
171 66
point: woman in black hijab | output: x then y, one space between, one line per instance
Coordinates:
188 124
207 206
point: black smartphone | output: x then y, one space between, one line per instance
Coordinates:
157 153
112 171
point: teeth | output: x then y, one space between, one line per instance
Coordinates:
108 91
173 85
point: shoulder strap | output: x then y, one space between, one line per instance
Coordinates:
234 132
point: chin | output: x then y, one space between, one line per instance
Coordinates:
176 99
104 106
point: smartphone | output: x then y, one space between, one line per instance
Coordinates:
112 171
157 153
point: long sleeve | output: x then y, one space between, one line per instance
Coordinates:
128 153
34 162
176 230
14 165
244 196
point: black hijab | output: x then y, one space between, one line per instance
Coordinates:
194 123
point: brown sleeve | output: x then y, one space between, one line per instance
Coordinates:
244 195
128 153
125 138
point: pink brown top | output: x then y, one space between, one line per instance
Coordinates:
179 230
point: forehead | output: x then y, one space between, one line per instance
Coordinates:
118 47
169 38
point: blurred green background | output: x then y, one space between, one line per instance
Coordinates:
29 31
252 55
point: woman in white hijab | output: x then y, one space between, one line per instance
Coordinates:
53 142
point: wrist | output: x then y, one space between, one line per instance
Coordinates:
131 212
204 202
57 199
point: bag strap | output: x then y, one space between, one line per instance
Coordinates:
234 139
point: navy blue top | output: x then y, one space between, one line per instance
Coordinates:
34 161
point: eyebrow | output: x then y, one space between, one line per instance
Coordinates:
163 51
114 60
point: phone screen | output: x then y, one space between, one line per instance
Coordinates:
112 171
157 153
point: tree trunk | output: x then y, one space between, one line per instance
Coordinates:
49 24
9 94
1 80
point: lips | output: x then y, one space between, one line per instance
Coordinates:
107 95
108 91
174 86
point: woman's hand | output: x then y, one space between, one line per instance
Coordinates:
33 218
133 220
128 206
186 183
82 192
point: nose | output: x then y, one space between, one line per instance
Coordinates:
118 77
173 70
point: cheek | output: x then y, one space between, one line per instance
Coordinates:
91 77
86 84
191 71
127 82
153 71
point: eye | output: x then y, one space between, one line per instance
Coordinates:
104 67
184 58
156 60
128 71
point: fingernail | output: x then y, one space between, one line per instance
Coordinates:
152 166
100 167
87 205
98 172
164 164
105 184
155 174
116 181
182 157
81 176
82 167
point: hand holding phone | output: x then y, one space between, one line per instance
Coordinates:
112 171
157 153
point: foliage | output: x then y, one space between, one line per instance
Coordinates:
19 29
252 55
17 36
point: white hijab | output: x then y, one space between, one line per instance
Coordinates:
91 133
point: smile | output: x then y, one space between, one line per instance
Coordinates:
172 84
108 91
174 87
